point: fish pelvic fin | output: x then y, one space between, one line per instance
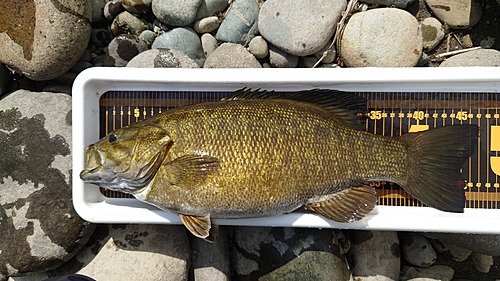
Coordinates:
349 205
200 227
437 156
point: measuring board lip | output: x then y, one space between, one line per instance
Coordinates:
92 206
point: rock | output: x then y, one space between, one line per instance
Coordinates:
391 3
451 251
100 37
458 14
374 255
230 55
162 58
148 37
80 66
126 23
133 252
209 8
331 55
481 57
122 49
136 6
432 33
176 12
4 79
240 24
482 262
287 24
208 43
435 272
417 250
386 37
258 47
40 229
281 59
211 260
264 253
183 39
43 39
112 9
206 25
98 10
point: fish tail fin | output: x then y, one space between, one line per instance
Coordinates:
437 156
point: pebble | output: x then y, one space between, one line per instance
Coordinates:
258 47
264 253
385 37
230 55
136 6
481 57
240 24
206 25
457 14
4 79
176 12
208 43
112 9
41 40
148 36
209 8
162 58
432 33
374 254
281 59
97 10
391 3
287 24
482 263
36 137
211 261
433 273
183 39
122 49
417 250
100 37
127 23
451 251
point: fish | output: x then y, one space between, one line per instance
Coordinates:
259 153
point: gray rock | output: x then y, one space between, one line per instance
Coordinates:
126 23
458 14
374 255
183 39
258 47
482 263
386 37
417 250
208 43
42 40
133 252
112 9
175 12
481 57
331 55
162 58
4 79
263 253
210 261
136 6
230 55
240 24
209 8
147 36
432 33
98 10
122 49
435 272
451 251
288 24
391 3
281 59
40 229
206 25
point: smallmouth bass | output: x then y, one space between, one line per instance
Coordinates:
259 153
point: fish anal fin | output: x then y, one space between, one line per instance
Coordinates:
200 227
349 205
190 170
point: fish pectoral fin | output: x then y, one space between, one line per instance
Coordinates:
188 170
200 227
348 205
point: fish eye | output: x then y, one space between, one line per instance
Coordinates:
111 138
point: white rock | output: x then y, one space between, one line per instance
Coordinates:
481 57
258 47
208 43
206 25
432 33
386 37
459 14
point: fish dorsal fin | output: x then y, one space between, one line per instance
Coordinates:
349 205
189 170
343 105
201 227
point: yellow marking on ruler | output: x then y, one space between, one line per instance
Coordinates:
495 146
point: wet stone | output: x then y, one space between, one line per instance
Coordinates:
40 229
162 58
417 250
230 55
122 49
